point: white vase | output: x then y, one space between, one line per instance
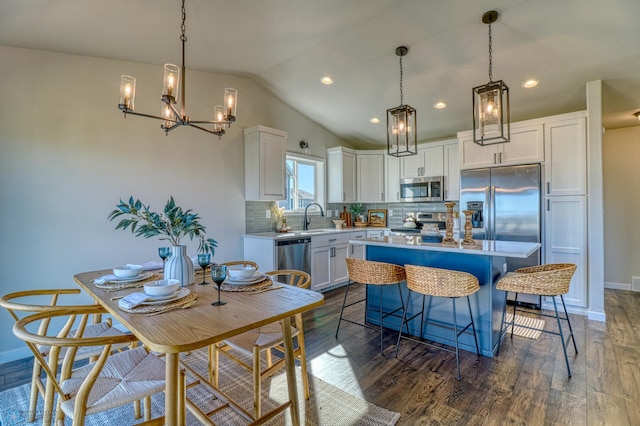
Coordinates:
178 266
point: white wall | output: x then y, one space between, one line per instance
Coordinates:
621 164
67 156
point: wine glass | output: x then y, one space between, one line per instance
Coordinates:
164 253
218 274
204 259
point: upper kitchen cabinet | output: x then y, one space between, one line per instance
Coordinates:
341 177
427 162
525 146
370 187
392 174
451 172
566 155
265 151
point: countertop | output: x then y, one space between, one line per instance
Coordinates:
310 232
482 247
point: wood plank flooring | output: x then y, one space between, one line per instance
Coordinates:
526 384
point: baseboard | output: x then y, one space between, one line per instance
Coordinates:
597 316
618 286
15 354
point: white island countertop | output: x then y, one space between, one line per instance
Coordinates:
482 247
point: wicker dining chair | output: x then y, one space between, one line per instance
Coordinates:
241 262
113 380
27 301
437 282
377 274
549 280
252 344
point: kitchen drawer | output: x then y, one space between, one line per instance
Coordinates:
330 240
358 235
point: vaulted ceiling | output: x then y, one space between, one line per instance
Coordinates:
288 45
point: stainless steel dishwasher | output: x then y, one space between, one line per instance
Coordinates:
294 254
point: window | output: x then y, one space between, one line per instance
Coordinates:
305 183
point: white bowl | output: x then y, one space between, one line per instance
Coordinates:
241 272
128 271
162 287
338 223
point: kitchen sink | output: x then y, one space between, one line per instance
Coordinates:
311 232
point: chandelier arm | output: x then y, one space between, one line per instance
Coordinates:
228 123
132 112
179 117
203 129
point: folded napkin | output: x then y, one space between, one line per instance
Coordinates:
152 265
132 300
105 279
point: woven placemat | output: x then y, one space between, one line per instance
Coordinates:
132 284
189 300
249 287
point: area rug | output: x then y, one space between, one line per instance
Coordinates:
327 404
528 322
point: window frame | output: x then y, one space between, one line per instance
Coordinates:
319 165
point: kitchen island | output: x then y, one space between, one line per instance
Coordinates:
486 261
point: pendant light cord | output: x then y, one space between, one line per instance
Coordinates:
401 93
490 56
183 28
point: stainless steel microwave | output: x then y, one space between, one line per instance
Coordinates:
422 189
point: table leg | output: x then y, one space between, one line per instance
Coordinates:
290 367
172 391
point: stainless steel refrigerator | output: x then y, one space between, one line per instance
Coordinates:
507 206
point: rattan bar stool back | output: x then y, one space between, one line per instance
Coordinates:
437 282
551 280
379 275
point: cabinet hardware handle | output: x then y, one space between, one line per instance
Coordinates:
494 157
382 196
548 187
398 196
548 206
344 196
333 239
501 157
352 248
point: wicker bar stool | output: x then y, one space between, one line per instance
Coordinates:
378 274
440 283
545 280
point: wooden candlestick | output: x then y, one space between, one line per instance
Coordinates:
448 236
468 227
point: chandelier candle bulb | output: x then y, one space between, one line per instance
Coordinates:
169 86
127 92
231 101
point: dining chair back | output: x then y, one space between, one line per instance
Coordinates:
22 303
114 379
265 339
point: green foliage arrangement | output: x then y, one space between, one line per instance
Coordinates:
172 224
356 209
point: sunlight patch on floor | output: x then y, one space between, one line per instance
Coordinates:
334 367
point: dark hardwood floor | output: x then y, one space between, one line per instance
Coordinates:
526 384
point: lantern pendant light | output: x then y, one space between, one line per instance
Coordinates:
401 123
491 116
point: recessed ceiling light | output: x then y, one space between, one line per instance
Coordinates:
439 105
326 80
374 120
530 83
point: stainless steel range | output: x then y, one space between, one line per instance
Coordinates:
421 219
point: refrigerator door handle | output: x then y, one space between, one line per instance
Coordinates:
492 202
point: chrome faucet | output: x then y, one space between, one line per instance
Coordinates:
306 222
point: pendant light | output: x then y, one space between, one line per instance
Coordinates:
491 116
401 123
174 82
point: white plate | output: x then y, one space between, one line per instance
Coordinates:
165 299
142 276
255 279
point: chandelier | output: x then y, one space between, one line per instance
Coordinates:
173 82
401 123
491 119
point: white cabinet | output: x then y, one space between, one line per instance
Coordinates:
451 172
566 157
392 173
525 146
265 151
370 177
377 233
427 162
262 251
357 251
328 265
341 176
566 241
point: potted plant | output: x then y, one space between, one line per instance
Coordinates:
281 219
172 224
356 209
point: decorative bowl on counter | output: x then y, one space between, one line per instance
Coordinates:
127 271
338 223
162 287
361 224
241 272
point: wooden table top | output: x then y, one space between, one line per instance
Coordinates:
202 324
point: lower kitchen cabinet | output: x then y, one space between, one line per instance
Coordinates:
328 266
566 242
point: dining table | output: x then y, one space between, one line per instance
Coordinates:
200 324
